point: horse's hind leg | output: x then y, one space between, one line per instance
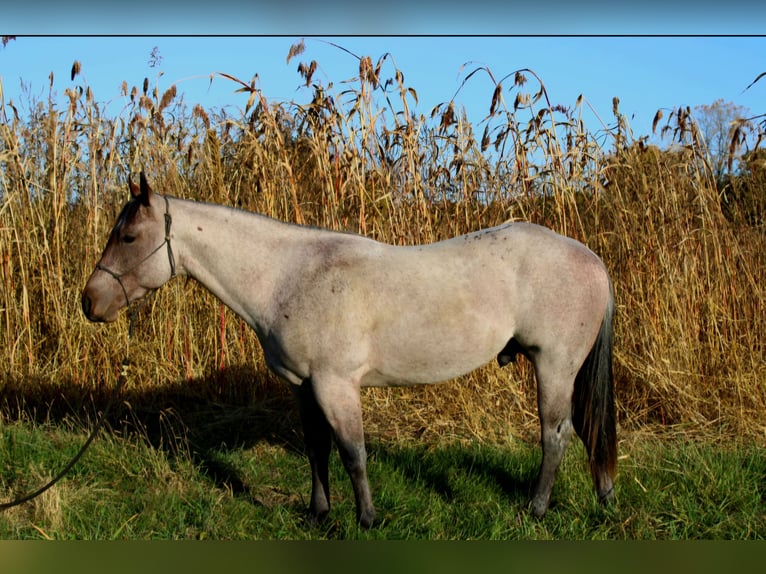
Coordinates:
554 397
317 436
340 401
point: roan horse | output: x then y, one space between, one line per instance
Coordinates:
336 311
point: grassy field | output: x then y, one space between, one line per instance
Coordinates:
127 488
687 258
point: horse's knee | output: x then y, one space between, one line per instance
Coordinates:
354 457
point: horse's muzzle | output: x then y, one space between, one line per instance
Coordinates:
91 313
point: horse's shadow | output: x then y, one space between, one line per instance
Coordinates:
446 469
238 408
205 417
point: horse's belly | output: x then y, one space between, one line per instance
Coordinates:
428 363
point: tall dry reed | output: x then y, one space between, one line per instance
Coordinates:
688 279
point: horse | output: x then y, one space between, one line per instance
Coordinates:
336 311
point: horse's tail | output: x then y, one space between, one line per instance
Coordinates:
593 410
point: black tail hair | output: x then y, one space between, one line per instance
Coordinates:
593 410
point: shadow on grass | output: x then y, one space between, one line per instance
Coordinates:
237 408
231 409
453 469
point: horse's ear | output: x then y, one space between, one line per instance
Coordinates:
144 191
134 191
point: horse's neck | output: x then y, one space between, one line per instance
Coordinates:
238 256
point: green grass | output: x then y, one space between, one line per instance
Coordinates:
128 488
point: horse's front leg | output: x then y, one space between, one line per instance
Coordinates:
340 401
318 440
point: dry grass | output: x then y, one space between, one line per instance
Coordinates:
689 281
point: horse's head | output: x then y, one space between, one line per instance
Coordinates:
134 261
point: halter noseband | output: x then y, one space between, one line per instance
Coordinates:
171 258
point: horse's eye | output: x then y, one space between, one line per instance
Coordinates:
128 238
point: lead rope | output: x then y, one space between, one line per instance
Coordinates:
132 312
99 424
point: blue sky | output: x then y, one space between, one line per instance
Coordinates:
647 73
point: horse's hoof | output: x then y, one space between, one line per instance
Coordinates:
366 519
317 518
607 497
538 508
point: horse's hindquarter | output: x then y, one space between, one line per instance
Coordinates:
563 293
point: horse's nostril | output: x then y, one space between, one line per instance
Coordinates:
86 304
